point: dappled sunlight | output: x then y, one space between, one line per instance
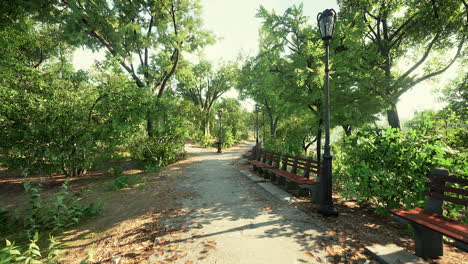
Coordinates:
131 172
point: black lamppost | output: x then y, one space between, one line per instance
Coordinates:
256 123
220 135
326 22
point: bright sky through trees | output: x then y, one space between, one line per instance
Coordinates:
236 28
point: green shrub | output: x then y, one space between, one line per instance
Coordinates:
56 213
151 168
115 171
388 167
158 150
7 222
203 141
228 139
32 254
121 182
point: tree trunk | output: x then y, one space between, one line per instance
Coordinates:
273 126
347 129
206 124
149 127
392 116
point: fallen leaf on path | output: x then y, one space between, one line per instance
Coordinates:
212 243
267 208
208 248
330 251
160 253
168 260
185 254
204 255
318 259
308 254
176 256
188 262
342 239
174 247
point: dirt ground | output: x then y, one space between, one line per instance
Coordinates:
133 218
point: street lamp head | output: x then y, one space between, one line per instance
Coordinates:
326 22
257 107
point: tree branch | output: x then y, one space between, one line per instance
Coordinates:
432 74
174 57
423 58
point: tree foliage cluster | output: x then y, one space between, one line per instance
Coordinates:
145 98
378 53
380 50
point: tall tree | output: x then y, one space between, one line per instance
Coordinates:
203 85
147 37
295 51
394 30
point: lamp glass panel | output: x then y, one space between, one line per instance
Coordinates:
329 25
322 27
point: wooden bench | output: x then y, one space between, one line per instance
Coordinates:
248 154
265 160
429 224
291 178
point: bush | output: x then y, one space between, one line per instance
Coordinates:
14 254
156 151
56 213
388 167
121 182
203 141
228 139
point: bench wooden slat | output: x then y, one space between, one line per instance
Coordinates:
260 164
449 178
447 198
443 225
447 189
293 177
307 160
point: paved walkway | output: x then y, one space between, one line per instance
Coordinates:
230 219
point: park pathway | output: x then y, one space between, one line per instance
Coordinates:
230 219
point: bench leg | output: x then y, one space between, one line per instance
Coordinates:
280 180
428 244
461 246
273 177
254 168
314 193
290 185
303 190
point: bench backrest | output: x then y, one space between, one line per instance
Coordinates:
307 165
271 158
437 188
259 154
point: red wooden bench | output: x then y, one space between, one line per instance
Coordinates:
429 224
292 178
265 160
248 154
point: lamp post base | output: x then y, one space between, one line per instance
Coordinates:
219 147
327 210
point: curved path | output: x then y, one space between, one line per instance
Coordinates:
230 219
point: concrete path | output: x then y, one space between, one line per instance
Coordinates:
230 219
